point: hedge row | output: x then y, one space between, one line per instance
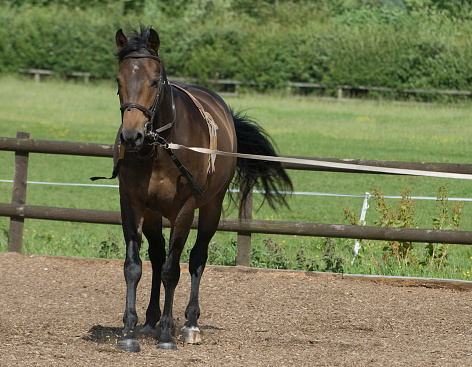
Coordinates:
369 46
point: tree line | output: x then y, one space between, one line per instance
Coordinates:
391 43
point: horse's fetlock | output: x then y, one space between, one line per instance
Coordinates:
130 319
166 325
192 314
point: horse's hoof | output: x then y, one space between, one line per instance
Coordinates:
128 345
167 345
191 335
148 329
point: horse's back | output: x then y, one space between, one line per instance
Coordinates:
215 182
219 111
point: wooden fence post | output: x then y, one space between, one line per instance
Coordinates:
15 239
243 256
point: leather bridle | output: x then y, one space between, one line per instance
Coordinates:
151 113
152 136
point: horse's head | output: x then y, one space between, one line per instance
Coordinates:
140 79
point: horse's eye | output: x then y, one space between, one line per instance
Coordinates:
155 83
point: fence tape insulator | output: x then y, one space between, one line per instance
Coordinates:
365 206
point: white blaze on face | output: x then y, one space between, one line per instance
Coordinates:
135 69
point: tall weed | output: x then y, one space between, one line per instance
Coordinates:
402 258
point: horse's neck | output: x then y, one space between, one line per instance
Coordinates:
166 112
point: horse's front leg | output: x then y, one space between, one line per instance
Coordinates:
152 229
171 272
132 220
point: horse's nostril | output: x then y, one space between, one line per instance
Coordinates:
131 138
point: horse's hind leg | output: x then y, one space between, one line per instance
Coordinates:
152 229
209 217
171 271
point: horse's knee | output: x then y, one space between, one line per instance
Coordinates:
170 275
133 270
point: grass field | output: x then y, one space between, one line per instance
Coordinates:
58 110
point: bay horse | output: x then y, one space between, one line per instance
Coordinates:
156 182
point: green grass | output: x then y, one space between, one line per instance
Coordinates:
58 110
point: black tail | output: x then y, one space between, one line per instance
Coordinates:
263 175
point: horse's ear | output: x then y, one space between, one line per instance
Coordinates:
153 41
121 40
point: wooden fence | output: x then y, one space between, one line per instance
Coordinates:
289 85
340 88
37 73
18 210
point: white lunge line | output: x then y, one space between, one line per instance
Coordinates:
310 162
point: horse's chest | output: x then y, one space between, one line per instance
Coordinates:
165 191
162 187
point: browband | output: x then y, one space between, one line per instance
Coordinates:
141 56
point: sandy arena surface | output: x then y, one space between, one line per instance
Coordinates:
68 312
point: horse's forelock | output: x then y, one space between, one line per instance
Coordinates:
137 41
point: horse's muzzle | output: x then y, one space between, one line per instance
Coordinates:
132 140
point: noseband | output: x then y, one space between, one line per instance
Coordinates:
150 114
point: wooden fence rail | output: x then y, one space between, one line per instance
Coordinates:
341 88
106 150
252 225
41 72
17 210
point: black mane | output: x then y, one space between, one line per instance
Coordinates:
137 41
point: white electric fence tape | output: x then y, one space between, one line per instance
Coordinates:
307 193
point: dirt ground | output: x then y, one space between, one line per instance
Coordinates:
68 312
